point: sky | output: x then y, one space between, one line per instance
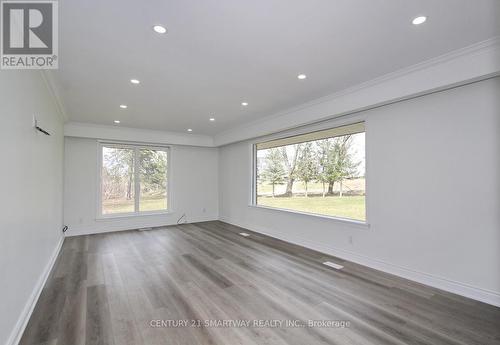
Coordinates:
357 151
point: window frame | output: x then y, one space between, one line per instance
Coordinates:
289 134
137 185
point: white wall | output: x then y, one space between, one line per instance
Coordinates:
433 193
32 175
194 184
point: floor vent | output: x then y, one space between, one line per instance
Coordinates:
334 265
244 234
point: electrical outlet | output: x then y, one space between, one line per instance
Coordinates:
204 210
351 241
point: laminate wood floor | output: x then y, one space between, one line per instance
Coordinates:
133 287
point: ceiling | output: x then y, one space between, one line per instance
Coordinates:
220 53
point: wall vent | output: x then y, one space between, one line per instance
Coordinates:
333 264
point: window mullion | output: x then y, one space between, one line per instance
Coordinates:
137 185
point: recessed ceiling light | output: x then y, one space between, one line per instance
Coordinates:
189 130
123 106
244 104
419 20
135 81
212 119
302 76
117 121
159 29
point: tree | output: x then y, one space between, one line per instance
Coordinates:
274 172
336 162
326 163
118 172
345 166
118 165
153 171
307 167
290 154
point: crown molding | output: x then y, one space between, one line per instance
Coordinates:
473 63
119 133
53 89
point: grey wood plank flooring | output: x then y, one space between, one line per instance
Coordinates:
118 288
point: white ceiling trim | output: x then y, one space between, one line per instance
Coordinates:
473 63
53 89
118 133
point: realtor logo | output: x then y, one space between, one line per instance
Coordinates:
29 35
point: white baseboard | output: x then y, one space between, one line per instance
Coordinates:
112 225
462 289
17 332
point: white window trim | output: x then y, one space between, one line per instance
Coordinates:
253 183
349 221
136 148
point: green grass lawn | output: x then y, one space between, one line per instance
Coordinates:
352 207
149 203
357 184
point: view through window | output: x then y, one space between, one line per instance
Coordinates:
133 179
321 172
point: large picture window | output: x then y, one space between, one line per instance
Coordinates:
134 179
321 173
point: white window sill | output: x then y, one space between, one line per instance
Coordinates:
353 222
132 215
